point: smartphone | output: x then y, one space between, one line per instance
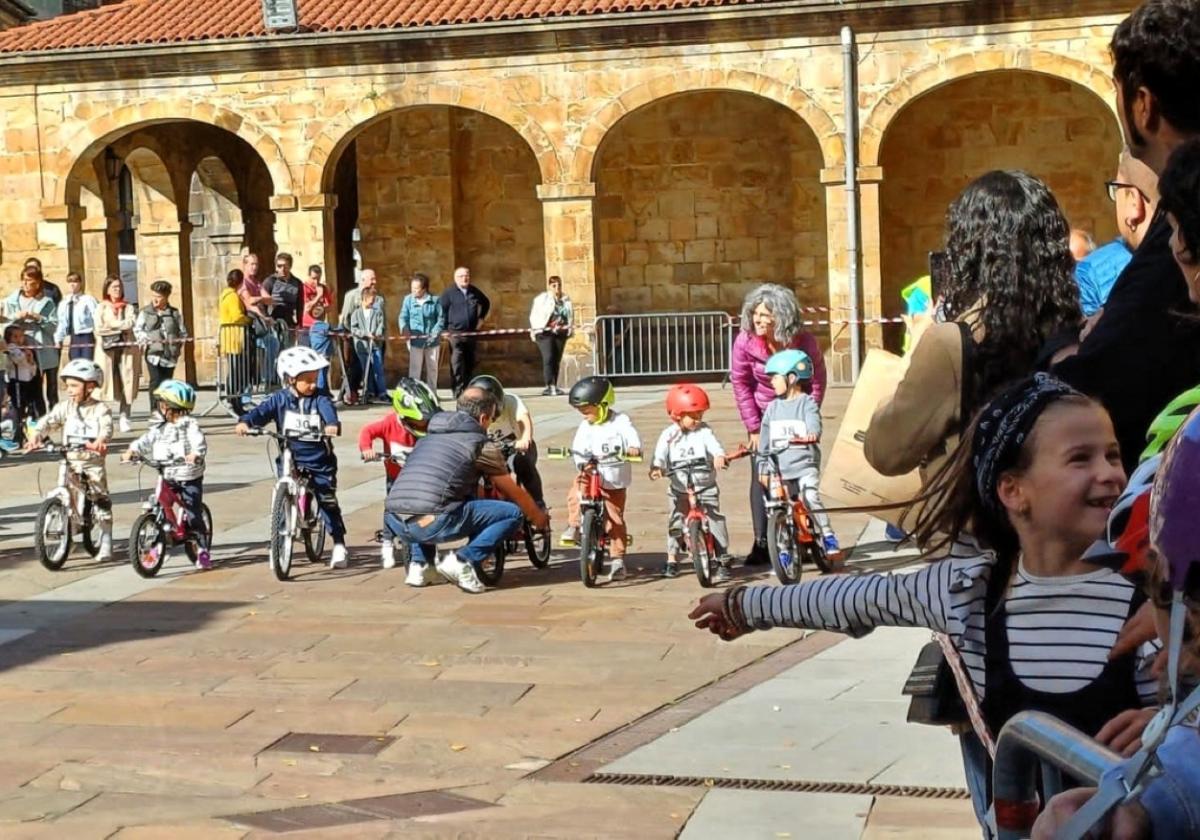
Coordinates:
939 273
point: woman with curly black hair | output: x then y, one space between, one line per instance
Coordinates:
1006 284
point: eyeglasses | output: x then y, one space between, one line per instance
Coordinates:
1113 186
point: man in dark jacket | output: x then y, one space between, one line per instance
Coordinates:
1141 353
286 291
464 308
433 499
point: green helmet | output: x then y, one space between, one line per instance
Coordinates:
414 400
1168 421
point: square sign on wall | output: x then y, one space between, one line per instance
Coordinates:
280 14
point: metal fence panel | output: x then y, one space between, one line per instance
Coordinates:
662 344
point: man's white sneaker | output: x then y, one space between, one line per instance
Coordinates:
418 574
468 581
338 559
449 566
387 553
617 571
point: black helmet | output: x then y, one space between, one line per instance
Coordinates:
592 390
486 382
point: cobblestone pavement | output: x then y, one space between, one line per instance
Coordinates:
163 708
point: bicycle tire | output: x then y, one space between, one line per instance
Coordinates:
537 546
52 560
591 556
190 547
816 554
89 532
702 558
315 535
781 545
145 537
279 549
492 569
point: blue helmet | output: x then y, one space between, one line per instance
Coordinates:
790 362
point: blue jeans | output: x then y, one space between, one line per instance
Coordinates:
484 522
976 766
191 497
375 385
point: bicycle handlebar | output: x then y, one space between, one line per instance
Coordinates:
310 437
562 452
162 465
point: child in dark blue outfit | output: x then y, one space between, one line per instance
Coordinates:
302 413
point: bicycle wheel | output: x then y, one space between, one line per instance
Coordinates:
190 547
591 555
89 532
52 533
492 569
702 558
781 545
537 546
147 545
279 551
314 533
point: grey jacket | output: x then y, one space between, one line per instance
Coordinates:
785 419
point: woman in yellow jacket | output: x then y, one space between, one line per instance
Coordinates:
238 353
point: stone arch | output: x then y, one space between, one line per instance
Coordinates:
320 168
103 130
990 59
828 135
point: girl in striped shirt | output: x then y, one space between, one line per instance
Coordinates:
1033 622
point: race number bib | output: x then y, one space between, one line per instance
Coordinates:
78 431
784 430
297 424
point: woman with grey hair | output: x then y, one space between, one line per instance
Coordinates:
770 323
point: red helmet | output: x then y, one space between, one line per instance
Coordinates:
686 399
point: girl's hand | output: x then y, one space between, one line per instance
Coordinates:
98 446
709 615
721 462
1123 733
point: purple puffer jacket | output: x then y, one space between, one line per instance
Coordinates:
752 387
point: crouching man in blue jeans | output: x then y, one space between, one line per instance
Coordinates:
433 499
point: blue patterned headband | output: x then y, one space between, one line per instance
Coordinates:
1004 424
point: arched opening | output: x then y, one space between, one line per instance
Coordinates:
702 195
427 189
1009 119
176 200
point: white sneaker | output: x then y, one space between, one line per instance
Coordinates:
449 566
617 570
123 423
387 553
338 559
106 553
418 574
468 581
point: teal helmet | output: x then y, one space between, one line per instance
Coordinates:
176 394
790 362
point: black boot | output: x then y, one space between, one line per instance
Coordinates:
758 556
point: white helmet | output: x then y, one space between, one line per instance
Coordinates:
85 370
297 360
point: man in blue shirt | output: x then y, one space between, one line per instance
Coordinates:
1134 195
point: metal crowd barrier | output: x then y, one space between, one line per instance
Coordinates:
662 344
251 372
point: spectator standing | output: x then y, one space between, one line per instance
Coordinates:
160 329
770 323
76 330
1141 352
464 309
354 372
286 291
422 321
37 315
314 292
24 389
236 342
118 355
320 341
369 331
254 297
551 321
49 289
1134 194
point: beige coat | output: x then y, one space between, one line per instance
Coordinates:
108 323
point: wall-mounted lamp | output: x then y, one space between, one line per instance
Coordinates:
112 164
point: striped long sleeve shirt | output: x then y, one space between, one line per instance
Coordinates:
1060 629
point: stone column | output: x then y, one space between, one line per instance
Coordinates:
304 229
570 241
61 230
100 248
870 272
164 253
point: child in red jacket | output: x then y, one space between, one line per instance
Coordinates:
414 404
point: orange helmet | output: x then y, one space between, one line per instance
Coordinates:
686 399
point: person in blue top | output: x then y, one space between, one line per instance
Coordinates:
422 320
1134 194
300 409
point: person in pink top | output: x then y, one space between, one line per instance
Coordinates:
770 323
315 292
251 291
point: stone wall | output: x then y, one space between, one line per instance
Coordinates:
703 195
1055 130
216 241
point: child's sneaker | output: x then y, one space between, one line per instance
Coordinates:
721 575
387 554
617 570
831 545
468 581
671 569
106 550
337 560
449 566
570 536
203 560
9 446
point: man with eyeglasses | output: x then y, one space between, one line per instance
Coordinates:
1134 194
286 291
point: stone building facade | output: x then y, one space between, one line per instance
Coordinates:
663 161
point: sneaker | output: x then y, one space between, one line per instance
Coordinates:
338 559
671 569
123 423
894 534
570 536
416 574
449 566
106 552
548 391
758 556
617 570
387 553
831 545
203 560
722 575
9 446
468 581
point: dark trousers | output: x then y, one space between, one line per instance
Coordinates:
322 480
158 375
191 496
524 466
26 401
83 346
462 362
758 508
49 386
551 345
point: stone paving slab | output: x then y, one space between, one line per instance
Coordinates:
769 815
